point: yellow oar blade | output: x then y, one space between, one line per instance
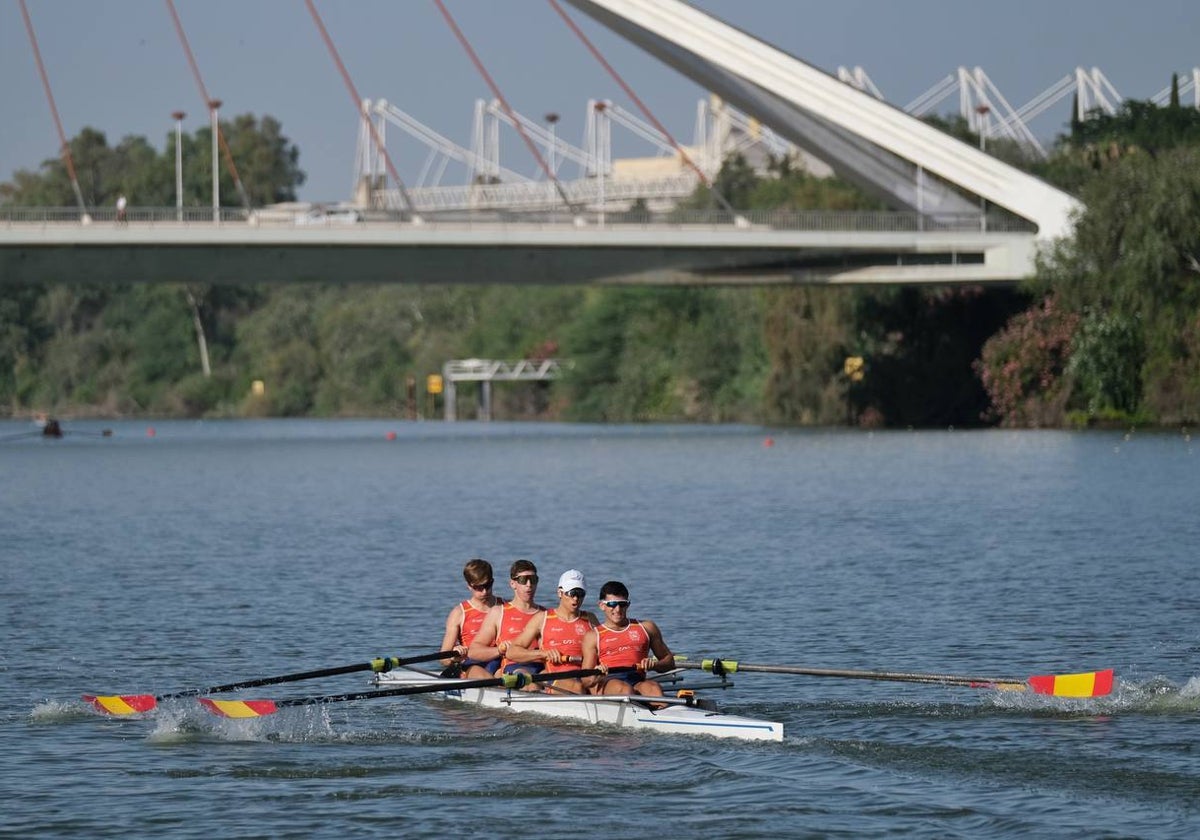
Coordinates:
1085 684
239 708
122 704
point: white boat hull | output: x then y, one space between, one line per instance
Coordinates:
624 712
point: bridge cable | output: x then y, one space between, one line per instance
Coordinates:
379 144
64 146
462 39
641 105
208 103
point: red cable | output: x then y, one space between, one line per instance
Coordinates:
337 59
187 48
65 148
462 39
637 101
628 90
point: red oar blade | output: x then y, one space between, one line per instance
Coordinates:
1086 684
239 708
122 704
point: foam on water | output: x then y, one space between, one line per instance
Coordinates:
57 711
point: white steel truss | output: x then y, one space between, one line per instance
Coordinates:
721 130
1185 84
487 371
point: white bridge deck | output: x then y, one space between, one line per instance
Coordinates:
830 248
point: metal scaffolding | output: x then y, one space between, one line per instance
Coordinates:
487 371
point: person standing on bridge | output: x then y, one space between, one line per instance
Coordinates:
121 204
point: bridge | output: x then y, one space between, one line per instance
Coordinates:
759 248
960 215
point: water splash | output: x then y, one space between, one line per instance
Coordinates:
59 711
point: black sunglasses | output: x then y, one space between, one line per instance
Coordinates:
525 580
575 593
615 604
480 587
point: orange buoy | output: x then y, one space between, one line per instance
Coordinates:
390 435
768 442
150 431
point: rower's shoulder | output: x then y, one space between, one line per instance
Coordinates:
591 617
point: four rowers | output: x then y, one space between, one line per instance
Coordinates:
520 635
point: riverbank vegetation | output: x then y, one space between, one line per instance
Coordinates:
1107 331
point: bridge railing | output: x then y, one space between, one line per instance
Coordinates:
857 221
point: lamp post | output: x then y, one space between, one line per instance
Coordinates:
214 105
552 120
178 117
600 157
983 109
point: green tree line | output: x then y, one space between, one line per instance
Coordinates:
1107 330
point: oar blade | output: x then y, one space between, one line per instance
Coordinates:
1084 684
239 708
122 704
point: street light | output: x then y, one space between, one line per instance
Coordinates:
983 109
178 117
552 120
600 107
214 105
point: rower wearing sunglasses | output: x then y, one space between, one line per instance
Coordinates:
466 617
623 647
504 623
556 639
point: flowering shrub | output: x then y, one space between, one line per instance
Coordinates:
1022 366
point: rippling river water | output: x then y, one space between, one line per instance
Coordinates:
212 552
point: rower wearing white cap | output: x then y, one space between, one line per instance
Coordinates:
557 639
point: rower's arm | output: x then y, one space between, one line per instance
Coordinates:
590 656
453 635
521 648
483 646
666 659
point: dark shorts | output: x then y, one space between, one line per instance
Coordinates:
527 667
490 665
629 675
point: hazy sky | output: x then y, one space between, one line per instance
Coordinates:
118 66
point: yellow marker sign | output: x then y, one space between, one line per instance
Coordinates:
433 383
853 368
258 387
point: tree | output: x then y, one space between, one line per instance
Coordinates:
1133 264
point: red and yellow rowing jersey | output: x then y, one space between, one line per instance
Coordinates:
624 648
512 624
472 620
566 636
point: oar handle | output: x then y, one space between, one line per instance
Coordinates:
517 680
378 665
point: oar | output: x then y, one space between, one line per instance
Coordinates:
129 704
1084 684
259 708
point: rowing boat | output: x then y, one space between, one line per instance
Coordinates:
686 714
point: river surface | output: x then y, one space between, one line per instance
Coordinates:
211 552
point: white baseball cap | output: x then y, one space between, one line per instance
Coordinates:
571 579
